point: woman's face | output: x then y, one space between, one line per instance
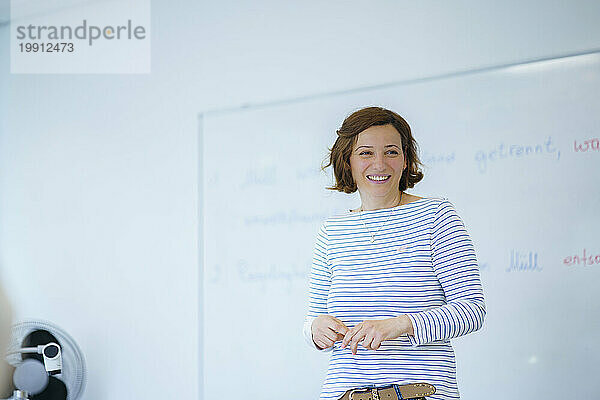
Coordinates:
377 161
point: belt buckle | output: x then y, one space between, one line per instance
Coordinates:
374 393
352 393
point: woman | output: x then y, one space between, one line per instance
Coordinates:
397 275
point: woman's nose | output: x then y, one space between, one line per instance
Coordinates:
379 163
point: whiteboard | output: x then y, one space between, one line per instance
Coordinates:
515 149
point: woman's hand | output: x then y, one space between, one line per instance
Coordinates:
326 330
373 332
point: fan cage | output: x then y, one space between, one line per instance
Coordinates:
73 363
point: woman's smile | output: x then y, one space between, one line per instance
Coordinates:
378 179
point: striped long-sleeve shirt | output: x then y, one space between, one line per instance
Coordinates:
422 264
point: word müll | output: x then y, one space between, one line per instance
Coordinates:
520 261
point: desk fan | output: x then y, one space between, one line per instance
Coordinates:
48 362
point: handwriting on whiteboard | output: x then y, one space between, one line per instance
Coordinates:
584 259
587 145
502 152
273 272
430 159
264 176
312 172
521 261
484 266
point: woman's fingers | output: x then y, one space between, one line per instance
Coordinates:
330 334
335 329
353 337
370 333
375 344
367 341
357 335
349 334
372 340
326 330
323 343
360 335
339 327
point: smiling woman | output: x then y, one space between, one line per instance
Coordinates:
377 164
361 124
397 275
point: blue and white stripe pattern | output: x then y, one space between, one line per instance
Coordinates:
422 264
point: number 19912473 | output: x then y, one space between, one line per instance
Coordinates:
46 47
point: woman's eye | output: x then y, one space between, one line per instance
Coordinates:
365 153
393 152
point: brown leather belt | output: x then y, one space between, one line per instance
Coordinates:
393 392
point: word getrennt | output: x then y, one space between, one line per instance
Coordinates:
502 152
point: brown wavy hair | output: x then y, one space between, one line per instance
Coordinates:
355 123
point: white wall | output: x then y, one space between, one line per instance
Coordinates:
98 173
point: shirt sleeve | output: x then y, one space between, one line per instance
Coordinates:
318 286
455 266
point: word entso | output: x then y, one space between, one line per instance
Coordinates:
83 31
590 144
514 151
585 259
